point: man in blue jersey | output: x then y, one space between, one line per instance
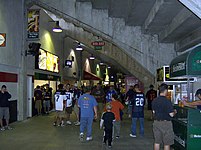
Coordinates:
109 94
88 108
138 103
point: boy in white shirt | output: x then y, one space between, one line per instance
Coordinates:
60 102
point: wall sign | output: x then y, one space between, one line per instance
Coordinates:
2 39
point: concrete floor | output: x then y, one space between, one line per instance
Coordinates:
38 133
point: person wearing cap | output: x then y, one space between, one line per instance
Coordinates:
196 103
107 120
88 109
4 108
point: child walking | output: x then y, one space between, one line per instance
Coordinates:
107 120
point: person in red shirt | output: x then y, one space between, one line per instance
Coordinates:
116 107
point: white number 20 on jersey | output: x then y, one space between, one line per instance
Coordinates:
139 101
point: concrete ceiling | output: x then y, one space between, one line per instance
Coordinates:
170 19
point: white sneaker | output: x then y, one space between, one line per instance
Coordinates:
3 129
68 122
77 124
89 138
81 136
133 136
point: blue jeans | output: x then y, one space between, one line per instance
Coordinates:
133 126
86 122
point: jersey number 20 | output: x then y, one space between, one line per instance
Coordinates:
139 101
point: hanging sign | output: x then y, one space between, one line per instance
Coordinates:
98 45
33 23
2 39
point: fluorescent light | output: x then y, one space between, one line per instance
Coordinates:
101 63
92 57
79 48
108 67
57 28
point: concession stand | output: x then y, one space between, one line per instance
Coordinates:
187 121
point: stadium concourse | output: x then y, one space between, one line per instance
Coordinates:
38 133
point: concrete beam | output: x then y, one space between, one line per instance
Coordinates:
177 21
153 13
189 41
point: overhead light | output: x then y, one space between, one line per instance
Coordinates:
79 47
91 57
101 63
57 28
108 67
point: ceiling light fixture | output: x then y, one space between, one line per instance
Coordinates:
91 57
79 47
57 28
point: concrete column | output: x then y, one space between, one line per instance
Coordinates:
22 83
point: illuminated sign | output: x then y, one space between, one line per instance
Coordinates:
47 61
98 45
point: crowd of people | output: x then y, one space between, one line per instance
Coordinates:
105 105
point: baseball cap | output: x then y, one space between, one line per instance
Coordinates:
198 92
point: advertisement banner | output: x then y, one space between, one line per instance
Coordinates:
33 23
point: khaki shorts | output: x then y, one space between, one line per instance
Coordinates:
38 104
60 114
76 109
69 110
163 132
4 113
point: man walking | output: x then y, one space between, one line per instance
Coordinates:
151 95
4 108
138 103
99 94
88 108
163 112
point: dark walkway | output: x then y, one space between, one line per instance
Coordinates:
38 133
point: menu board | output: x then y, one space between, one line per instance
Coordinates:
48 61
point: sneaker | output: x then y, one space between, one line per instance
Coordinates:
3 129
81 136
89 138
133 136
54 124
117 137
62 125
109 146
68 122
77 124
9 128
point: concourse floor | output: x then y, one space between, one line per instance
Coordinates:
37 133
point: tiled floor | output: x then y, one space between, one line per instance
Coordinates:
38 133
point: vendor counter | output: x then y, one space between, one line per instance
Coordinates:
187 128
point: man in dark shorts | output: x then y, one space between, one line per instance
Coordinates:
151 95
4 108
163 112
